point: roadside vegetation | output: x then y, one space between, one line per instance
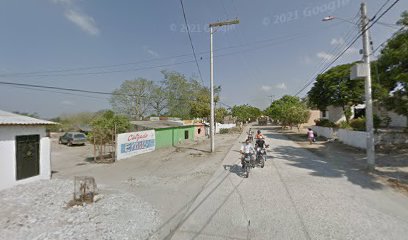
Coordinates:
390 83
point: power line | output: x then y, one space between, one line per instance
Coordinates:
379 10
350 45
346 38
191 41
53 88
44 73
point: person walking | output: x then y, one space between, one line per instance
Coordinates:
310 135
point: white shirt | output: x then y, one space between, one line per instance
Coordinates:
247 148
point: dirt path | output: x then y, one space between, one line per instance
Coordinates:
168 179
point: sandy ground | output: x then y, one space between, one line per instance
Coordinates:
168 179
143 197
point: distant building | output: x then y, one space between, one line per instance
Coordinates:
336 115
168 133
24 149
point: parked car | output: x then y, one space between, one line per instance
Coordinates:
72 138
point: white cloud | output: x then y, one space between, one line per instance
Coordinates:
281 86
266 88
151 52
85 22
324 55
74 14
67 102
339 41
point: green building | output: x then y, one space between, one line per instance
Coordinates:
167 133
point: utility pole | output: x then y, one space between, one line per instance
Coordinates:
212 26
368 97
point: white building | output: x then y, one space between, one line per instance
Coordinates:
336 115
24 150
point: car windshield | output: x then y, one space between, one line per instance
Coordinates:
79 135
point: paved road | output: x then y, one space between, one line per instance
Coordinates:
296 196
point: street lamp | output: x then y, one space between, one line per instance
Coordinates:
368 90
330 18
212 26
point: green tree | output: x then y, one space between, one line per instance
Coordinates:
220 113
245 112
289 111
393 68
133 98
335 88
104 128
158 100
180 92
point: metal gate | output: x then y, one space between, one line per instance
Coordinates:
27 156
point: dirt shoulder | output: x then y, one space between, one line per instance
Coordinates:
169 179
391 166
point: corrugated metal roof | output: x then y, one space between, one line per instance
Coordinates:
7 118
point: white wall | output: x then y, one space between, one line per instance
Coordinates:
336 114
219 126
8 156
353 138
324 131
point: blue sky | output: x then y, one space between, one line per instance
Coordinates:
273 51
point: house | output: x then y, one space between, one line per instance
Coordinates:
200 131
24 149
336 115
167 133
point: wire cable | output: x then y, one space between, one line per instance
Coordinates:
350 45
191 41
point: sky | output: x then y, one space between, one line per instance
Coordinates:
95 45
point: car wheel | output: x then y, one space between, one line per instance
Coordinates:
69 143
59 141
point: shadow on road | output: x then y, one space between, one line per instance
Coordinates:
326 167
236 169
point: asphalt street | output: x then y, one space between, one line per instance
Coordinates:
296 195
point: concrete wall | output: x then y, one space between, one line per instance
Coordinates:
314 115
353 138
396 119
8 155
199 131
336 114
324 131
358 139
221 126
167 137
391 137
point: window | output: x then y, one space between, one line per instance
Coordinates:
199 131
186 134
325 114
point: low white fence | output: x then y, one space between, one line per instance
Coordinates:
324 131
356 139
220 126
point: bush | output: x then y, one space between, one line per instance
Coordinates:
377 121
358 124
345 125
325 123
224 130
